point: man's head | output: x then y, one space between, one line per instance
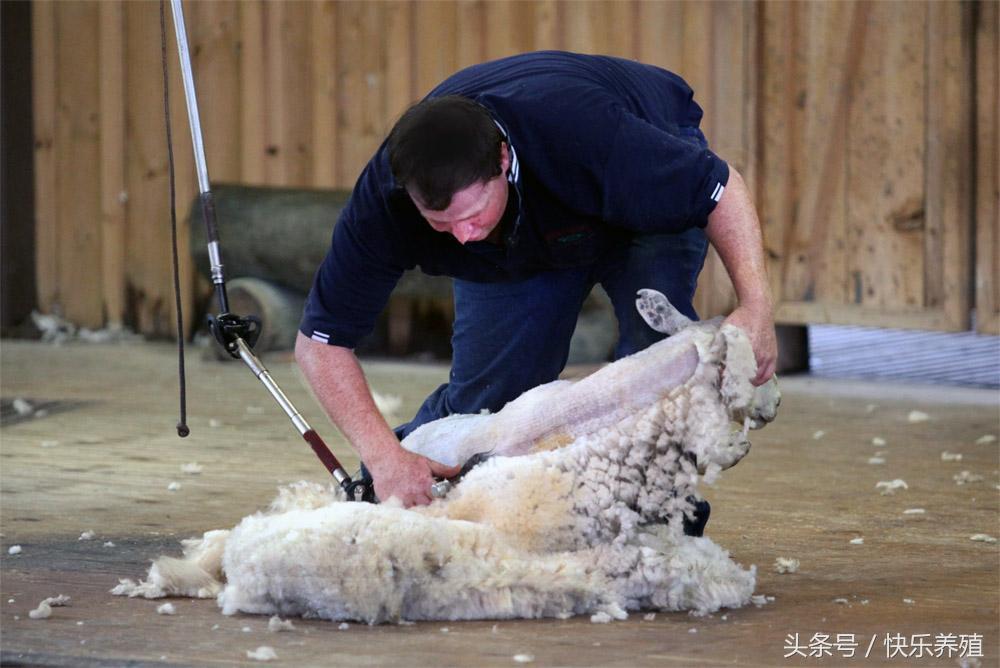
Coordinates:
451 158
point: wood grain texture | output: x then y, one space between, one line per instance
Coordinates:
988 169
44 90
78 156
112 160
849 120
949 171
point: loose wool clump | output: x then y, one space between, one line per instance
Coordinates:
579 509
786 565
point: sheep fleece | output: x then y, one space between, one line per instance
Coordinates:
589 522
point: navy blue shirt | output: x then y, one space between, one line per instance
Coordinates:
601 149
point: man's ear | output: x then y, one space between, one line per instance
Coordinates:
738 368
504 158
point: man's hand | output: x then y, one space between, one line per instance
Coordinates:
407 476
758 323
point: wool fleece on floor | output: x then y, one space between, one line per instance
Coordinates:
578 509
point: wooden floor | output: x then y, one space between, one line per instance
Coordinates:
101 461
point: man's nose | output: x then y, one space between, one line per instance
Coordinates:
462 232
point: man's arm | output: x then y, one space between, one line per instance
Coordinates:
339 383
734 231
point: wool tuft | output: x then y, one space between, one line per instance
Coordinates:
889 487
43 611
262 653
276 624
786 565
966 477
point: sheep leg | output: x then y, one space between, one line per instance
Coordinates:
659 313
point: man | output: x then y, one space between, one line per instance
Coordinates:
529 180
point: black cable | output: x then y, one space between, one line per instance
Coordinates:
182 428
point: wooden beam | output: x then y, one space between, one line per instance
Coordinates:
324 94
988 169
78 156
112 163
801 313
949 170
45 39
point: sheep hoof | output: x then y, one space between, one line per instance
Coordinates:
659 313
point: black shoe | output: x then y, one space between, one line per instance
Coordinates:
696 527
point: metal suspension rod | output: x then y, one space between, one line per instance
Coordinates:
207 200
233 332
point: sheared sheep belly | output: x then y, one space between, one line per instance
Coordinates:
557 413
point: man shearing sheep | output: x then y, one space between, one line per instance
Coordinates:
528 180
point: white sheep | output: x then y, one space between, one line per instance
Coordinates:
578 511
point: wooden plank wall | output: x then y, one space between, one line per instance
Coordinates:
295 94
988 165
866 143
858 113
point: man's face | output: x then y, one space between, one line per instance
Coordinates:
475 211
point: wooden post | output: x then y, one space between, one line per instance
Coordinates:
44 40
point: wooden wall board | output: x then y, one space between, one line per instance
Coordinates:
866 201
548 19
215 42
436 52
111 43
400 91
289 77
822 99
948 268
988 169
885 158
44 38
78 156
323 35
360 113
253 93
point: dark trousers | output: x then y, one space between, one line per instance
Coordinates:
511 337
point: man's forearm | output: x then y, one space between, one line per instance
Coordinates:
734 231
340 385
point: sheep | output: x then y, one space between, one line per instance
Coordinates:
577 508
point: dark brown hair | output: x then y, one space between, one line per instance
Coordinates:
441 145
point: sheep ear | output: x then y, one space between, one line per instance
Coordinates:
659 313
739 368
